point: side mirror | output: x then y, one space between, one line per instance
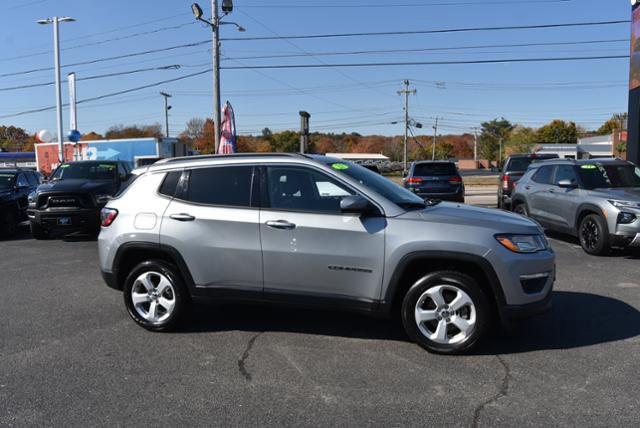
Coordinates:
567 184
355 204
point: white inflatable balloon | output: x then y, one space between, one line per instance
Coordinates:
45 136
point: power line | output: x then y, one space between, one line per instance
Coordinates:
382 51
408 63
112 58
447 30
392 5
99 76
113 94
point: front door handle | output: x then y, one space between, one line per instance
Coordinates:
182 217
280 224
552 191
527 187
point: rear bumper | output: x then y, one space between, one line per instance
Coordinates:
111 279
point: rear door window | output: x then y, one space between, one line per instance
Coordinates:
434 169
224 186
543 175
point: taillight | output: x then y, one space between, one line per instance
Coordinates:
107 216
453 180
505 182
414 180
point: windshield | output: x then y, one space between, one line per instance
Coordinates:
86 171
434 169
595 176
7 180
383 186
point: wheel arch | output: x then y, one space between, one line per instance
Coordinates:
585 210
131 254
415 265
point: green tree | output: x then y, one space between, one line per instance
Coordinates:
521 140
491 134
557 132
444 151
134 131
286 142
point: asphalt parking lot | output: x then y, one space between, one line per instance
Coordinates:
70 355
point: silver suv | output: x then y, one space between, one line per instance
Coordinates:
596 200
315 231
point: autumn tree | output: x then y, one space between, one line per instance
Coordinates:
134 131
13 138
615 123
91 136
557 132
521 140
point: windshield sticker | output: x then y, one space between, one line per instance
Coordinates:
588 166
340 166
107 166
65 166
6 175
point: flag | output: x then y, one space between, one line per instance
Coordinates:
228 134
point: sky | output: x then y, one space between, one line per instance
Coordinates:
362 99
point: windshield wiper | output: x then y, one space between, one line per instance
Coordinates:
412 205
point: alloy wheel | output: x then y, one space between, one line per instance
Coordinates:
153 296
590 233
445 314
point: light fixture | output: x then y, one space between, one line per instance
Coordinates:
227 6
197 10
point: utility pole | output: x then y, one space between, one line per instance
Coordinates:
500 154
167 107
215 19
304 131
475 146
406 91
56 57
435 136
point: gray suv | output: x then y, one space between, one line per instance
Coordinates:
316 231
596 200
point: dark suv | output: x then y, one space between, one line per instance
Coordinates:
514 168
71 200
15 186
435 180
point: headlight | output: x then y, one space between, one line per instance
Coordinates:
624 204
103 199
32 198
523 243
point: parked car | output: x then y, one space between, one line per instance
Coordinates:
315 231
70 201
597 201
514 168
435 180
15 186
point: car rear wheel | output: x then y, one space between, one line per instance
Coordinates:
155 296
594 235
445 312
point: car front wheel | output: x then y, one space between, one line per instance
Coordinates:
521 209
155 296
594 235
445 312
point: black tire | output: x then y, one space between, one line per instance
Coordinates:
450 280
178 291
522 209
9 223
594 235
37 231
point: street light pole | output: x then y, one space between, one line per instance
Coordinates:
56 57
215 19
435 136
166 111
406 93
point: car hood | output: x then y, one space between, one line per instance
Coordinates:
499 221
620 193
95 187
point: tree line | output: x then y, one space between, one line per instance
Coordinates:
496 138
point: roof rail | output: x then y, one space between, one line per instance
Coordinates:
229 156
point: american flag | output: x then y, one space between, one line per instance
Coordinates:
228 134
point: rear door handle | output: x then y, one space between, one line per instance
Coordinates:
280 224
552 191
182 217
527 187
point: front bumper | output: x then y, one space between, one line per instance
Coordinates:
80 220
519 312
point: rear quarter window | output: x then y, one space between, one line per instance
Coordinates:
170 183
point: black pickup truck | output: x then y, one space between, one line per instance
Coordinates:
70 201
